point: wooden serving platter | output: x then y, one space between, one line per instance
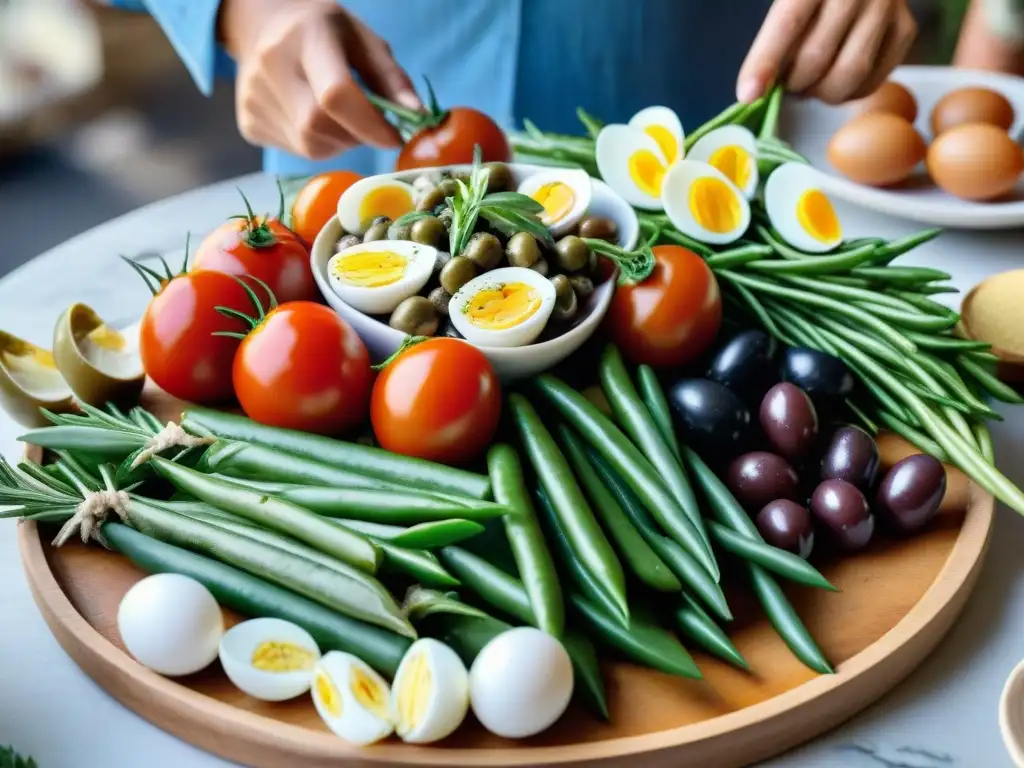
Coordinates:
897 600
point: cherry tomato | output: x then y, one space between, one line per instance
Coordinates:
305 368
670 318
317 202
438 400
176 342
451 141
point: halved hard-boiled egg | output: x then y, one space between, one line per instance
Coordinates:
633 159
565 195
503 308
376 277
352 698
371 197
732 149
662 125
29 380
799 210
269 659
430 693
703 203
99 363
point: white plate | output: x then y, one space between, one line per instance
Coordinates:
808 125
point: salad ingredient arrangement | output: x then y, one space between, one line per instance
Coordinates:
29 381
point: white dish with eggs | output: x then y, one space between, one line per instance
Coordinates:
809 125
510 362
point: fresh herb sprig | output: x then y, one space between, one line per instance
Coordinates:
465 204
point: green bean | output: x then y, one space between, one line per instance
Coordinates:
781 247
857 242
599 431
533 560
909 276
654 398
761 314
687 242
778 561
862 417
848 293
423 567
915 320
931 290
786 621
921 302
925 394
770 123
693 623
634 551
432 535
490 583
984 440
938 343
992 385
104 442
898 247
741 255
726 117
274 514
819 265
985 357
912 435
721 501
955 385
852 282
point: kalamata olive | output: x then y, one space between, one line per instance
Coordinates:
911 492
852 455
499 178
399 231
484 250
787 525
789 420
377 231
744 364
816 373
347 241
565 299
540 266
758 477
429 231
439 297
708 415
842 508
522 250
456 273
583 286
415 316
571 254
599 228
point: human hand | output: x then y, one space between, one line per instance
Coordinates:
296 87
834 50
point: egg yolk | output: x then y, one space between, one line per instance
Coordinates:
280 656
714 205
667 142
557 199
816 215
384 201
21 360
367 692
734 162
503 306
414 697
106 337
328 694
371 269
647 172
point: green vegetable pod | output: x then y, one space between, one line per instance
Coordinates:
786 621
693 623
778 561
433 535
107 443
418 564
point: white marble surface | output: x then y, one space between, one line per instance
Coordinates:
52 711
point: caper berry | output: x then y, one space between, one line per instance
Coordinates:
456 273
377 231
571 254
484 250
398 231
566 305
599 228
439 297
583 286
346 241
562 287
415 316
540 266
429 231
500 178
522 250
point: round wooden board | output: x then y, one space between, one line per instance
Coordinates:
897 600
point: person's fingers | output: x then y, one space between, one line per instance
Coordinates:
312 132
337 93
821 44
782 29
372 58
856 62
895 48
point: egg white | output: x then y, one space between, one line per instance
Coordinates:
236 656
420 261
652 121
782 193
351 201
706 146
448 692
676 196
518 335
580 184
355 723
615 145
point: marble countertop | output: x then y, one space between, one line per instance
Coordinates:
944 715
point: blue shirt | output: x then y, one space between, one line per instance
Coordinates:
516 59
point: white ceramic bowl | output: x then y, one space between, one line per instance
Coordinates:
1011 715
509 363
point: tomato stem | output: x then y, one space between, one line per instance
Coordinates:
144 272
280 197
261 313
258 234
409 341
411 121
188 242
634 266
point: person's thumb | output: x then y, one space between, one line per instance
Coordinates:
372 59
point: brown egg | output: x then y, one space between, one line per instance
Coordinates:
891 97
975 162
971 105
877 149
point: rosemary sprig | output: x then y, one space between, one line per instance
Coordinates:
465 205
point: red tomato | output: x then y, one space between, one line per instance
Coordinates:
303 367
451 142
438 400
176 342
671 317
317 202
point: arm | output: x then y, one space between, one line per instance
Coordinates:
992 37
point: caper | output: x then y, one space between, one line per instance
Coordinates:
431 199
571 253
398 231
439 297
377 231
522 250
583 286
540 266
456 273
565 305
445 217
346 241
429 231
415 316
500 178
484 250
599 228
562 287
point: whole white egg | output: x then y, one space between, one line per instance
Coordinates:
732 149
352 699
703 203
269 659
565 194
506 307
171 624
430 692
632 164
799 210
371 197
520 683
376 277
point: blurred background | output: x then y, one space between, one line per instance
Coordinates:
98 116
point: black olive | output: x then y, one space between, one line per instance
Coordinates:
842 508
789 420
787 525
599 228
347 241
744 364
759 477
852 455
709 416
816 373
911 492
